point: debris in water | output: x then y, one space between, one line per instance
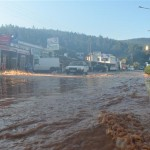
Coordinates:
126 130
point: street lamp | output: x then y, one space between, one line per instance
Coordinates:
146 47
147 50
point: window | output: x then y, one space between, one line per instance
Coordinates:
36 61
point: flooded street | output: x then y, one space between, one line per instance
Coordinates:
48 112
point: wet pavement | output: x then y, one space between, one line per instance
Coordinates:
61 112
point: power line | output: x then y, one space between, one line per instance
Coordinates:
144 7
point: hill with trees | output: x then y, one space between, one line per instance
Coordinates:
132 50
139 41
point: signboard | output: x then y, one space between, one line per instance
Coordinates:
53 44
5 39
14 49
104 57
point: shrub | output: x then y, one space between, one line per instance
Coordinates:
147 70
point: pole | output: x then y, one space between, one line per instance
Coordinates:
17 60
90 54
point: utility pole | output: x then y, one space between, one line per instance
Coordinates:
90 53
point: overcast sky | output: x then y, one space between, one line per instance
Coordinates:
115 19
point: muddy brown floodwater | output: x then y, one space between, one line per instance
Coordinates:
61 112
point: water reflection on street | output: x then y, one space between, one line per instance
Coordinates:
40 111
38 86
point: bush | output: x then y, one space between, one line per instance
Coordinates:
147 70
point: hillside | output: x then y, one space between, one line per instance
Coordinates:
74 42
139 41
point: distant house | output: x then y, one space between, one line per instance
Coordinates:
106 59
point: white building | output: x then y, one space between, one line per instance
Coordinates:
108 58
94 57
98 57
101 58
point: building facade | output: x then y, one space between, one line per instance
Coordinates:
107 60
20 55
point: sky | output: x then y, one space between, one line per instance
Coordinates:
114 19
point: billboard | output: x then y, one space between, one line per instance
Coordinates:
53 44
5 39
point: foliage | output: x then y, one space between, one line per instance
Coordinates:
139 41
136 54
147 70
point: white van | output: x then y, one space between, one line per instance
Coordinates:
46 64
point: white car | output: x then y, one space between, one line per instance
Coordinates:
131 68
77 67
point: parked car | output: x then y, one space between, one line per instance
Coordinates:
77 67
141 68
131 68
99 68
113 68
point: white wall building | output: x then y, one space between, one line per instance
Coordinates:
94 57
101 58
109 59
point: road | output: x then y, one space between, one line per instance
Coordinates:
58 112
